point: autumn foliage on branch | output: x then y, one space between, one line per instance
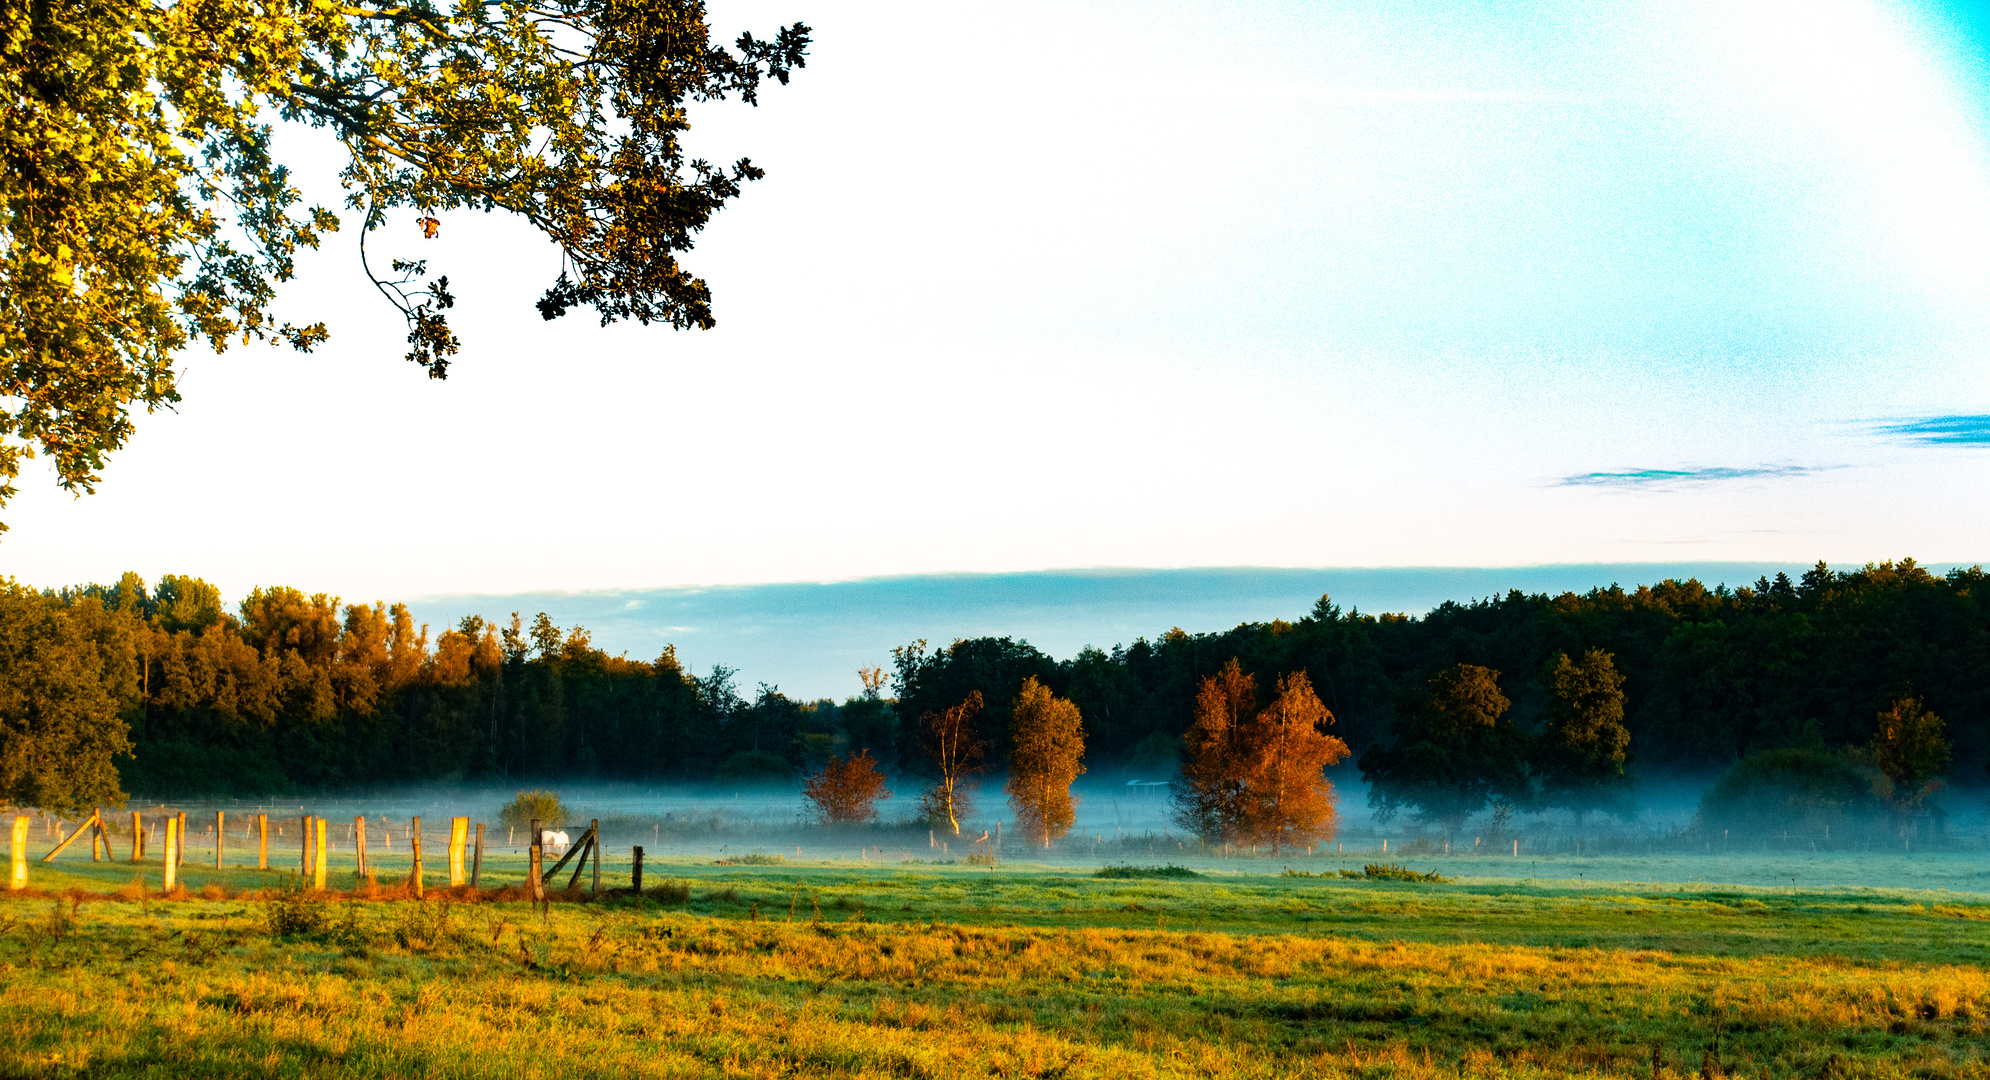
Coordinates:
846 790
1258 775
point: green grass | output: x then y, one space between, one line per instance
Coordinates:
839 969
1127 871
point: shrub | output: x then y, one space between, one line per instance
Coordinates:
1125 870
292 913
755 859
1773 789
1393 872
543 805
846 790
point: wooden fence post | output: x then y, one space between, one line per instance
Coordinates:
18 878
636 870
219 820
533 881
414 845
594 835
589 843
262 841
459 838
304 852
359 846
101 837
172 852
71 838
181 861
477 861
322 864
137 838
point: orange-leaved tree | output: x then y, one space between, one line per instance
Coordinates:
1258 775
1046 743
956 755
846 790
1208 801
1284 753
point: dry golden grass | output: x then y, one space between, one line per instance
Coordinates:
847 970
394 988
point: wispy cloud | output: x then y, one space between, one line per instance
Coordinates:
1679 477
1964 429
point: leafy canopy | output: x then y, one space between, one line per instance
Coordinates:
1910 747
1451 749
142 208
1047 744
1255 775
1582 750
543 806
846 790
66 671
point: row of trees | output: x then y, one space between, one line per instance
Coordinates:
1454 748
1510 701
1047 740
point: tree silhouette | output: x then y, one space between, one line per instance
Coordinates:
1911 748
1451 749
1580 756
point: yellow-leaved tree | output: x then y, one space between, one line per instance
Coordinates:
1046 745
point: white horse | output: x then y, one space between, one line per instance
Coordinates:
554 843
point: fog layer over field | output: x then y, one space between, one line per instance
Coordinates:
1122 821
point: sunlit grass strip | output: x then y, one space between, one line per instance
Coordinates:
604 991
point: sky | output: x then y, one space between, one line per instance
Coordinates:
1058 286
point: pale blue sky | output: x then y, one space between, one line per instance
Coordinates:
1061 285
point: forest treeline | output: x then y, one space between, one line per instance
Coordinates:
293 692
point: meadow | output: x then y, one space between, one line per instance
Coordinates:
776 967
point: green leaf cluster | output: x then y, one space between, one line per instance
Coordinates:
142 207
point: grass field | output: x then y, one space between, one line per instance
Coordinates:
841 969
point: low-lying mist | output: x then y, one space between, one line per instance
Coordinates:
1665 834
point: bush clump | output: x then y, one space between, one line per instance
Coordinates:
755 859
1127 870
1392 872
545 806
293 913
1776 789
